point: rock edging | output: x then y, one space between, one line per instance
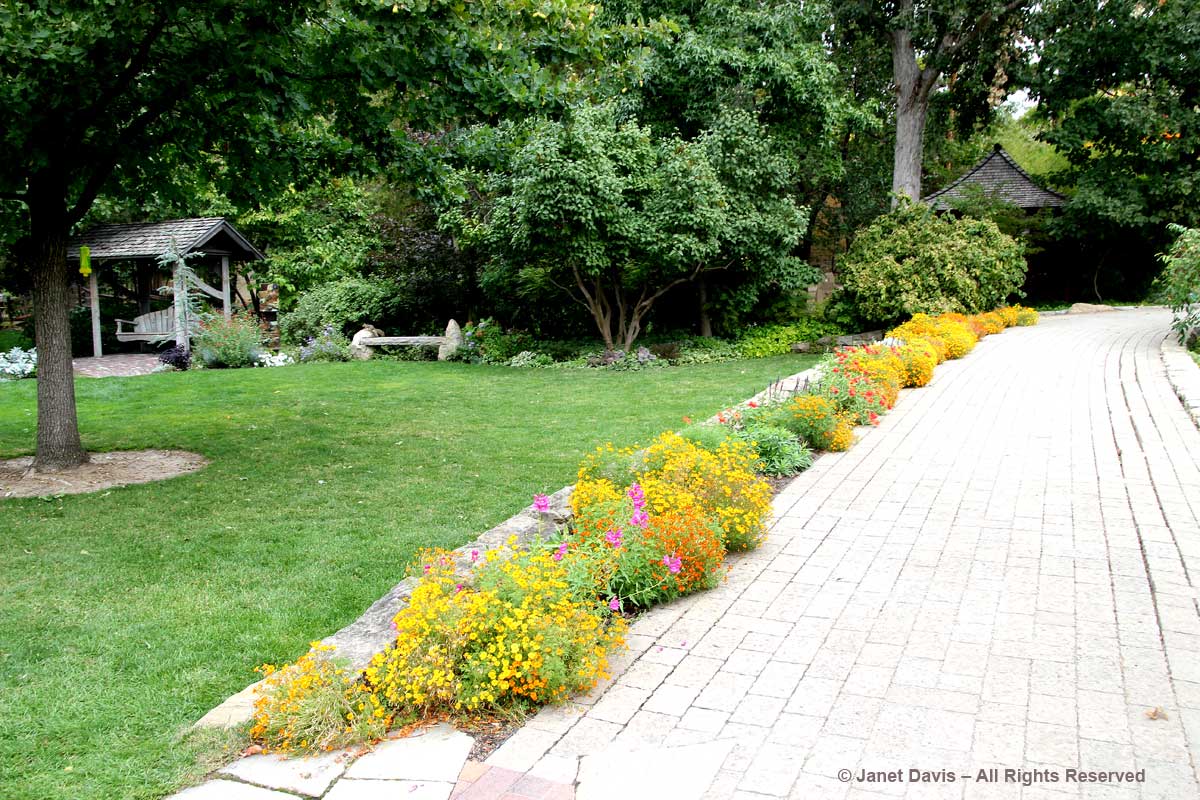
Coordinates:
1184 376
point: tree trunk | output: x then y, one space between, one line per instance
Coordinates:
58 444
705 320
912 105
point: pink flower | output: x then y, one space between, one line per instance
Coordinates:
614 604
458 587
560 552
673 563
640 519
637 495
428 567
474 556
613 537
752 404
541 503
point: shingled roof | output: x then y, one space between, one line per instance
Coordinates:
999 177
152 239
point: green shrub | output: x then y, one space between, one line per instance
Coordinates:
705 435
236 342
914 261
779 451
345 304
14 338
330 344
1179 282
775 340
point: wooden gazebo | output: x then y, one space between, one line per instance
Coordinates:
213 238
999 177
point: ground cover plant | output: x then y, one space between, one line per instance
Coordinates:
130 613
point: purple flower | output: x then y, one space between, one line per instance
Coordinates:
560 552
673 563
613 537
639 519
541 503
614 604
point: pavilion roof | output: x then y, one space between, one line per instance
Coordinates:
149 240
999 176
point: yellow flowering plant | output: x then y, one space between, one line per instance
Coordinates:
518 637
314 704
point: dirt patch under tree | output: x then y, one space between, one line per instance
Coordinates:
103 471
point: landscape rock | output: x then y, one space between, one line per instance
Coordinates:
454 339
1088 308
359 350
307 775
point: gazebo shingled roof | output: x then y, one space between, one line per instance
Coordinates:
141 240
999 177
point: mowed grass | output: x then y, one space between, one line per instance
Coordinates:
127 614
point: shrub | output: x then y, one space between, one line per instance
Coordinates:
11 339
813 419
1009 315
1180 280
915 261
330 344
177 357
991 322
704 435
488 342
18 363
519 636
528 358
879 366
234 342
779 451
315 704
851 394
775 340
343 304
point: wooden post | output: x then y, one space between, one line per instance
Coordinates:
226 305
94 291
178 303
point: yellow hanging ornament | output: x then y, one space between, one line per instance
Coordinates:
85 261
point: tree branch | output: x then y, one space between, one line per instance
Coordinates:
137 62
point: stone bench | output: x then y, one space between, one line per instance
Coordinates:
447 344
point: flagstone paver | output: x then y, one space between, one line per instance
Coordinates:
1002 576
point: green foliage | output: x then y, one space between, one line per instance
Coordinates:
774 340
915 261
345 304
1179 282
316 236
234 342
1119 100
328 345
705 435
613 216
11 338
779 451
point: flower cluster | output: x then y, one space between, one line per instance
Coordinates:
520 635
275 360
329 345
18 363
316 703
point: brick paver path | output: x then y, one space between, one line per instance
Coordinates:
1001 575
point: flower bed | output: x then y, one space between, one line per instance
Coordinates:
527 623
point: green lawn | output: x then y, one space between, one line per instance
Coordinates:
127 614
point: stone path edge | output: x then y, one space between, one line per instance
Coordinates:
372 632
1184 376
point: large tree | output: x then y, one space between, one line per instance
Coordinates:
100 96
1118 85
962 46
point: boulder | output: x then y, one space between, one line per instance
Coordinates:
454 340
357 348
1088 308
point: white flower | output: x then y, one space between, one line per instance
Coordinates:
280 360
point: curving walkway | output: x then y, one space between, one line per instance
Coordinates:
1002 576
